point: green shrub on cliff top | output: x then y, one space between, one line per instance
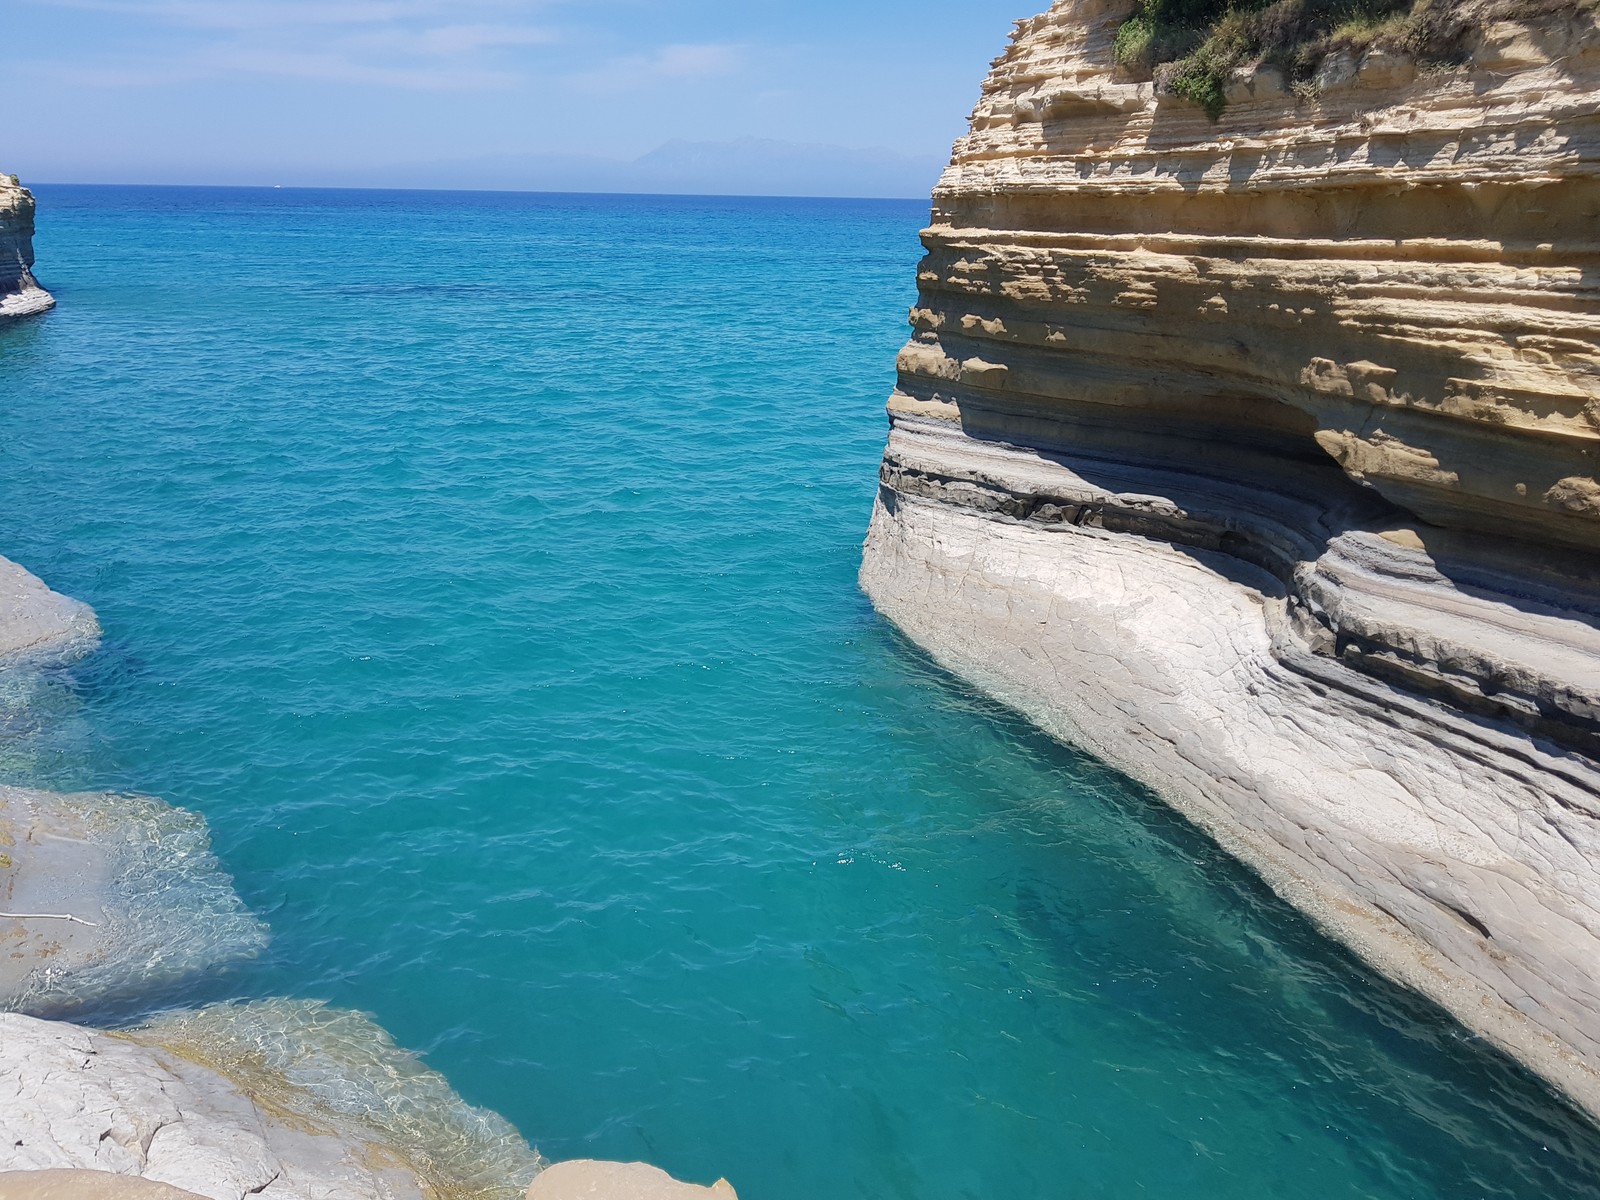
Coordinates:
1193 47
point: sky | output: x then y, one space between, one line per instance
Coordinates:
843 97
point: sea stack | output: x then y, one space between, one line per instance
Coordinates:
20 293
1255 453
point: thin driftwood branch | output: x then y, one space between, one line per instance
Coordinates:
48 917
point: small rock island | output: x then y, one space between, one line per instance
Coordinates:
20 293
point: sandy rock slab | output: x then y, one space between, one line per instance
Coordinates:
105 896
84 1185
587 1179
38 622
281 1099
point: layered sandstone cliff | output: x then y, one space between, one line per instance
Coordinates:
1258 457
20 293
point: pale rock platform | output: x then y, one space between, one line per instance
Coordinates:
589 1179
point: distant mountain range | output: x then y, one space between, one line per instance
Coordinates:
748 167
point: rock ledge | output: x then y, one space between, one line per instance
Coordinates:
20 293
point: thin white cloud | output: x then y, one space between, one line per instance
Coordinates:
432 45
284 14
665 63
447 41
336 68
409 44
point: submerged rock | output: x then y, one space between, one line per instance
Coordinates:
37 623
106 897
287 1100
20 293
1258 458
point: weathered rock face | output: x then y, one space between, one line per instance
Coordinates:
20 293
1258 458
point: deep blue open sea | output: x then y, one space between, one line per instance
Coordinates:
483 568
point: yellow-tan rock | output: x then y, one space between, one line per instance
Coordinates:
85 1185
1258 457
589 1179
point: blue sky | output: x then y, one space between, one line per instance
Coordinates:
485 92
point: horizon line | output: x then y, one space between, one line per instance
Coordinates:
478 191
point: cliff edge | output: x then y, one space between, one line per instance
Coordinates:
20 293
1257 456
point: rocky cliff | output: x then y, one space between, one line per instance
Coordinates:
1257 456
20 293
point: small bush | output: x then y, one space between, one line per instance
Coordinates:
1132 47
1193 47
1203 78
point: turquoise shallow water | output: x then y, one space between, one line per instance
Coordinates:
482 567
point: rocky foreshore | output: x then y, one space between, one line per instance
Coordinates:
1257 457
20 293
108 902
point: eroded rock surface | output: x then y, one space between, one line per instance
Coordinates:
20 293
1258 458
285 1100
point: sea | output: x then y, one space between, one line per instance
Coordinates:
483 568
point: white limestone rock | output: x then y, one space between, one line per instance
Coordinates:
280 1099
1458 855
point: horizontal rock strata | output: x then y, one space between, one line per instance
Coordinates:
1258 458
20 293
